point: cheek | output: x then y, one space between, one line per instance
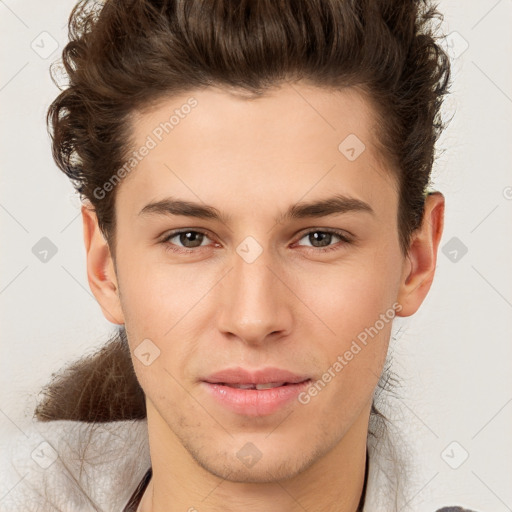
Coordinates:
349 297
353 306
154 296
162 303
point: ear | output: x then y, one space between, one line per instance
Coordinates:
100 268
420 263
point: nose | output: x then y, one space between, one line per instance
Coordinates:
255 302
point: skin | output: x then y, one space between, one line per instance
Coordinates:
294 307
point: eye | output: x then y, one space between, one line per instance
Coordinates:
319 240
185 240
322 239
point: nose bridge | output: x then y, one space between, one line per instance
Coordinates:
254 305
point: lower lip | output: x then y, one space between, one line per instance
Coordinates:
255 402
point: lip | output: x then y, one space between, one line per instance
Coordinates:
240 375
254 402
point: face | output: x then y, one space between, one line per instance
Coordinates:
258 236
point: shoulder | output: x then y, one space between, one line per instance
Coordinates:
392 478
73 465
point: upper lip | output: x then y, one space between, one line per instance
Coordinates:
262 376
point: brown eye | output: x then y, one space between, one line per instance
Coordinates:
321 239
191 239
185 239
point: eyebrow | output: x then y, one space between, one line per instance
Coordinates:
335 205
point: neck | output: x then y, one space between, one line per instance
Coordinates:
334 482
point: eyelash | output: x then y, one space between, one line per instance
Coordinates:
341 234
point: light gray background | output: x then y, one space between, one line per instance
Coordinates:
453 356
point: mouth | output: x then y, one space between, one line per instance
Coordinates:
267 385
270 377
257 393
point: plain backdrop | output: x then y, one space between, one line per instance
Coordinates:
453 357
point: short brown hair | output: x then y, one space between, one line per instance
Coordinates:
126 55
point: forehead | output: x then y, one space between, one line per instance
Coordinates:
280 118
301 139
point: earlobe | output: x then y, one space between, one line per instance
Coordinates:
420 264
100 267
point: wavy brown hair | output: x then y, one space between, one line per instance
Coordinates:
125 56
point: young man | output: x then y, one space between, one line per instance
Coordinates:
250 251
255 215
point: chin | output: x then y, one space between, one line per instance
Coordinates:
261 473
264 467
